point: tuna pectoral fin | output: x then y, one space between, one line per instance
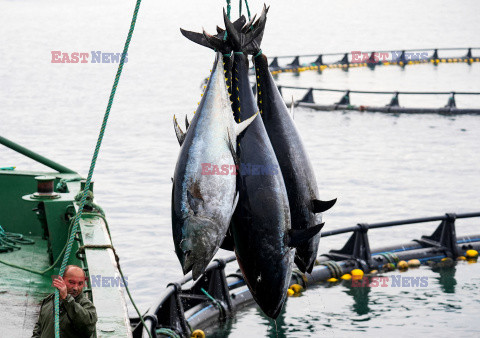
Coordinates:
231 146
178 131
298 238
239 127
235 202
321 206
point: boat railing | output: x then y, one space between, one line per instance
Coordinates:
35 156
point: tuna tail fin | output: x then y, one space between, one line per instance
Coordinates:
178 131
297 238
187 124
207 40
238 24
239 127
254 40
321 206
233 34
249 24
217 43
196 37
246 42
200 39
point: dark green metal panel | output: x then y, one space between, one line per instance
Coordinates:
55 211
16 215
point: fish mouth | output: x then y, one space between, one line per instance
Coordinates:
199 247
187 261
197 266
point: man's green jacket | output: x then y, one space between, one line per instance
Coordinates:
77 318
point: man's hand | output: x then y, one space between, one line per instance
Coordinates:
60 285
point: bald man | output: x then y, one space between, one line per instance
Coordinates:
77 312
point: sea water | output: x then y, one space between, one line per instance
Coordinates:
381 167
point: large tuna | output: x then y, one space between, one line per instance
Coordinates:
203 201
298 174
219 43
261 225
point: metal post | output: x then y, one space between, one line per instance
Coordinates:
357 248
34 156
444 236
295 63
319 60
345 100
308 98
451 101
394 101
274 63
469 54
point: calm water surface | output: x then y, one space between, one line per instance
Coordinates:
381 167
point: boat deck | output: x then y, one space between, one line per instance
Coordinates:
21 292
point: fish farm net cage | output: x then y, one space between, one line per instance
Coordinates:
187 305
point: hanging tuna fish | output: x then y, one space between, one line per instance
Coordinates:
202 205
298 174
261 225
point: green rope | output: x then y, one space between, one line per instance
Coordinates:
41 272
92 165
248 9
216 302
229 8
9 239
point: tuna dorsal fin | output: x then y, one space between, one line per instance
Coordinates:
178 131
299 237
187 124
239 127
321 206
